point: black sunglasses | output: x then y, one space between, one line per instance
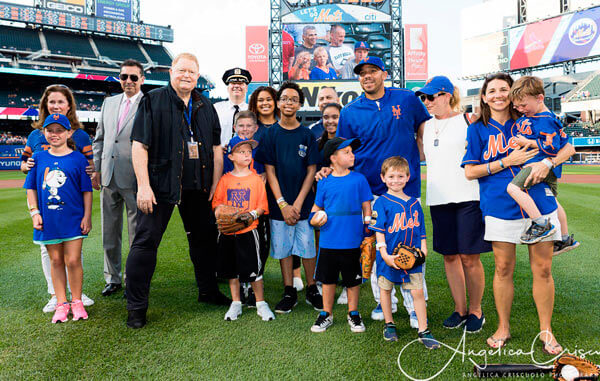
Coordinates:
133 77
430 98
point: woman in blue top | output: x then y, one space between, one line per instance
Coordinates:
493 157
321 70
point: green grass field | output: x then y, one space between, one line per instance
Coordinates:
12 175
184 339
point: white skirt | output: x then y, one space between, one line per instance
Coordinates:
499 230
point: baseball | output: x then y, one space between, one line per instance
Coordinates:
320 218
569 372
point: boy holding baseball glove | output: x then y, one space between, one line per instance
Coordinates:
399 227
341 202
240 198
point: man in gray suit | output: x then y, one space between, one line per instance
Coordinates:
112 156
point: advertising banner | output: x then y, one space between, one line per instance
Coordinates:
257 52
567 37
592 141
114 9
333 11
10 156
415 51
485 54
347 92
533 41
580 37
73 6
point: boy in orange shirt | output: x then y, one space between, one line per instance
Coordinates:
238 253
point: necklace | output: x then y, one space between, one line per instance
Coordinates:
437 131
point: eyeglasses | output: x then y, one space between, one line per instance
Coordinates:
289 100
430 98
133 77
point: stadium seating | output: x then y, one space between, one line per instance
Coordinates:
19 39
119 50
68 44
158 54
158 76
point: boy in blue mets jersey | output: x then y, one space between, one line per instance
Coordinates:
398 218
342 200
541 129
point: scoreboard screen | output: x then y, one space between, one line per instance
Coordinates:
13 12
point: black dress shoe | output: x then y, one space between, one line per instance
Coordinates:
136 318
216 298
111 288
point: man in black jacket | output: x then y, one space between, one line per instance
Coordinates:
177 160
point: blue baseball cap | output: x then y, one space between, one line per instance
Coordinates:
375 61
437 84
58 119
361 45
338 143
236 141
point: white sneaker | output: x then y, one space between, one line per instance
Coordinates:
234 311
377 313
298 285
86 300
51 305
355 322
263 310
324 320
414 322
343 298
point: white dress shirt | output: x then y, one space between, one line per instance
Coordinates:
225 111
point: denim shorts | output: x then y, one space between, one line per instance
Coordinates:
297 240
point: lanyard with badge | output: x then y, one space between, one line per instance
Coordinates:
192 145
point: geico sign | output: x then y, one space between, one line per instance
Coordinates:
64 7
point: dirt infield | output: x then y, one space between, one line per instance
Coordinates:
11 184
569 179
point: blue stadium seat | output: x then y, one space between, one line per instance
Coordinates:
119 50
158 54
69 44
22 39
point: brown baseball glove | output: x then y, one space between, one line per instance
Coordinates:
231 219
367 256
587 370
408 257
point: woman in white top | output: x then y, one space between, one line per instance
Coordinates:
458 227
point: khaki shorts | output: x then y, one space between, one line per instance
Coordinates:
416 283
550 180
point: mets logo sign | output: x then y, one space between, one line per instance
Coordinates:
396 111
583 31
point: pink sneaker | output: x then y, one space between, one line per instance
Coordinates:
78 310
60 313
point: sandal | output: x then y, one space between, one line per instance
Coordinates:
550 349
497 343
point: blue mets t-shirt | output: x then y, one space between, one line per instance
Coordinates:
290 152
317 73
546 130
490 143
59 182
317 129
401 222
36 141
386 127
342 198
